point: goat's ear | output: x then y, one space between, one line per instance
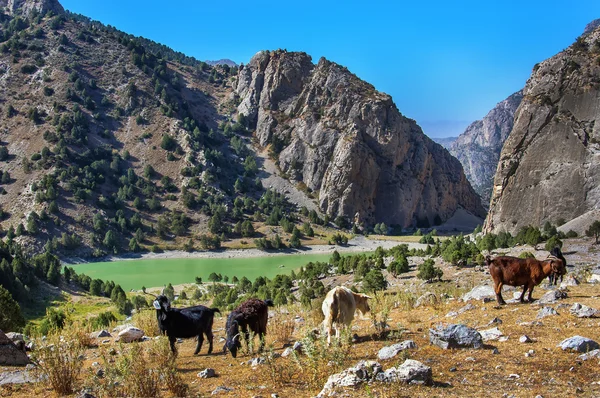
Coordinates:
238 318
156 304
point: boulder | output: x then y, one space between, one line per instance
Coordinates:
525 339
546 311
552 296
579 343
362 372
455 336
468 307
491 334
484 292
130 334
410 371
393 350
10 355
583 311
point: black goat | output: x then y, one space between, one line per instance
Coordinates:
185 322
553 278
253 314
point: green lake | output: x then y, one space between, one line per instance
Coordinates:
133 274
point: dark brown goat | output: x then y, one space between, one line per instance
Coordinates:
253 314
526 272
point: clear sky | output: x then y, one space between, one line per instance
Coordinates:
445 63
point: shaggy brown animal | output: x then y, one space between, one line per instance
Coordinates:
526 272
253 314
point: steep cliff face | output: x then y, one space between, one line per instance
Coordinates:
26 7
549 167
349 143
478 148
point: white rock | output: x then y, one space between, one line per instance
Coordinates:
130 334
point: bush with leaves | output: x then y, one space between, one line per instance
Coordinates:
11 318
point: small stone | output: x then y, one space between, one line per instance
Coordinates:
525 339
221 389
453 369
207 373
495 351
514 376
100 373
545 312
105 341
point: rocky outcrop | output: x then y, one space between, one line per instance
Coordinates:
26 7
349 143
589 28
478 148
10 355
549 167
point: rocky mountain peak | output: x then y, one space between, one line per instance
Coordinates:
589 28
26 7
348 144
478 148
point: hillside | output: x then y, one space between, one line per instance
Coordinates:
548 169
478 148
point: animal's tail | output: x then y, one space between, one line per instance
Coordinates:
269 303
215 310
334 313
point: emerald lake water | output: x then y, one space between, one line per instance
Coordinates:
133 274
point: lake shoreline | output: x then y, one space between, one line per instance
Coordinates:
355 245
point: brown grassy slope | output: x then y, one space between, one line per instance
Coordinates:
109 63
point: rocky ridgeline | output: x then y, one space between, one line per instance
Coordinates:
548 168
478 148
349 143
26 7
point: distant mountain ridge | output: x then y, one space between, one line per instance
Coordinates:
225 61
478 148
446 142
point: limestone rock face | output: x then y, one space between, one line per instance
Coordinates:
478 148
26 7
349 143
549 168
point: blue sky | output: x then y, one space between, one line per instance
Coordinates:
445 64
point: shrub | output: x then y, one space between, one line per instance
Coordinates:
553 242
526 255
28 69
398 266
103 320
58 361
428 271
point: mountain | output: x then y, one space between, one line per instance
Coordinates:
478 148
341 139
227 62
549 168
109 141
589 28
27 7
113 143
446 142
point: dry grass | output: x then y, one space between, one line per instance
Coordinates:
146 321
281 329
549 372
59 361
